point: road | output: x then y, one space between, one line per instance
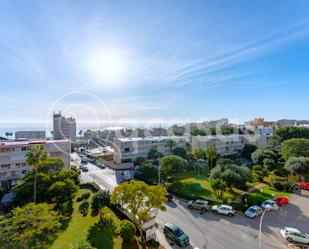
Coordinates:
207 230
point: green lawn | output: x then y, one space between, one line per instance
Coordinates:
268 192
192 184
83 228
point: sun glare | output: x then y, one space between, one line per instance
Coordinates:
106 67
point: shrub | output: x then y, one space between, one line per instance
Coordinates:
127 230
100 199
278 186
86 195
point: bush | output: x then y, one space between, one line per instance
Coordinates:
278 186
86 195
127 230
90 185
100 199
281 172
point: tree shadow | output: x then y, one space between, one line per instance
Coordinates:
101 235
83 207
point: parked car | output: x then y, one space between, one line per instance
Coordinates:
224 209
101 166
294 235
169 197
281 200
272 205
175 234
84 160
198 204
254 211
301 185
84 168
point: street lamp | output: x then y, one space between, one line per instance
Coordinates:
267 208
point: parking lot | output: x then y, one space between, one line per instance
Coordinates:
208 230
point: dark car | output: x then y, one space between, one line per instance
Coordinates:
175 234
169 197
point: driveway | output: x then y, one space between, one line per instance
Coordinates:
207 230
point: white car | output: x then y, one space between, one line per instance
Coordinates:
294 235
223 209
270 204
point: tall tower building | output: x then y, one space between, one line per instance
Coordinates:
64 128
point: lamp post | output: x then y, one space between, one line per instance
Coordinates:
267 208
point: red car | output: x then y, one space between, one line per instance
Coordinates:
302 185
281 200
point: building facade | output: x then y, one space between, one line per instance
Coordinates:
128 149
64 128
228 144
30 135
13 158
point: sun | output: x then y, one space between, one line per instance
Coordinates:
106 67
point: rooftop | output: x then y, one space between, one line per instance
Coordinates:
135 139
13 143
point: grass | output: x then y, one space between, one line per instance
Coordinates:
268 192
200 186
77 228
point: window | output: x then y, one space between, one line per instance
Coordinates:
5 166
23 148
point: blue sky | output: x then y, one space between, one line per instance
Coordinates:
147 61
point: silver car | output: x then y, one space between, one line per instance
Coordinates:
198 204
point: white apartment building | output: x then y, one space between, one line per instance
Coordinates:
13 159
228 144
30 135
128 149
64 128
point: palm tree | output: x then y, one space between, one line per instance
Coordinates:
35 156
8 134
80 133
211 154
170 143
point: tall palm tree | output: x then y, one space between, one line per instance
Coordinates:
211 154
170 143
35 156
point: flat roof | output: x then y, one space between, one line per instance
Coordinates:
135 139
14 143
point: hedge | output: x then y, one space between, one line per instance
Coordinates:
90 185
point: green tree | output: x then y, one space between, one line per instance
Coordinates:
139 161
139 198
35 157
298 166
100 199
51 164
62 191
171 164
45 180
288 132
219 186
295 147
248 150
28 226
127 230
170 144
233 175
211 154
260 155
153 154
199 154
181 152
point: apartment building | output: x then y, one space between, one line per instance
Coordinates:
13 159
128 149
64 128
36 135
228 144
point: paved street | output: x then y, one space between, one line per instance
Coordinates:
215 231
